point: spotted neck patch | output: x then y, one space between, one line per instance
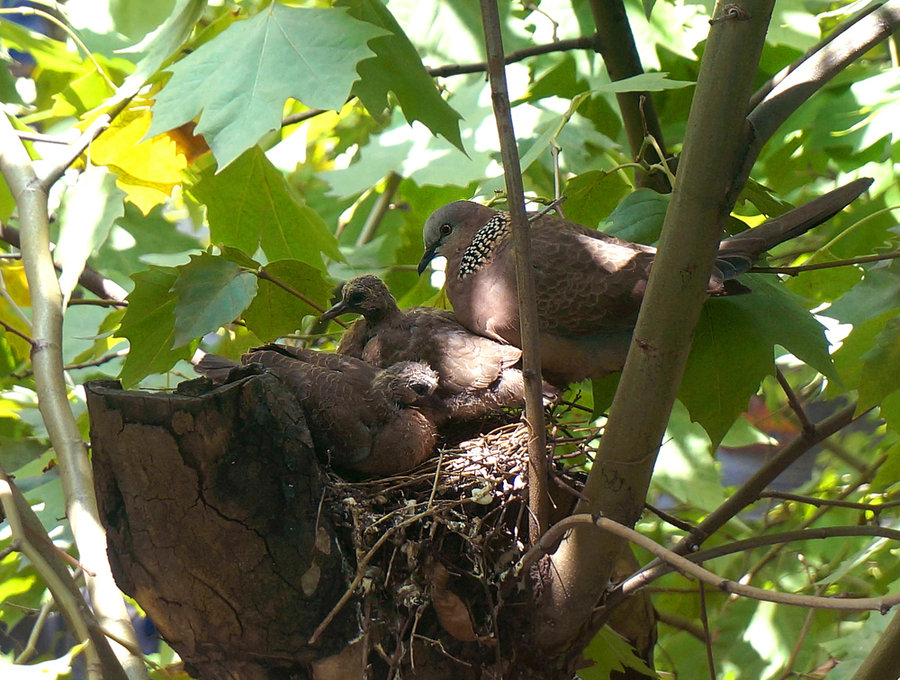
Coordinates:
486 240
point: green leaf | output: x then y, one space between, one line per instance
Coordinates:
877 293
274 311
149 325
211 291
881 367
784 320
560 80
250 206
610 652
309 54
161 44
592 195
733 350
639 218
728 359
87 213
396 67
645 82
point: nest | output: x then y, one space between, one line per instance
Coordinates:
436 550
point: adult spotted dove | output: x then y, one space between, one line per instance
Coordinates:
589 285
476 374
374 421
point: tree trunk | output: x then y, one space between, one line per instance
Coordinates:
256 562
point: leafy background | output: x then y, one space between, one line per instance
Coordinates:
259 143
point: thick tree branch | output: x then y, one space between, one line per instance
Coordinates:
616 46
798 82
47 318
884 658
619 479
538 497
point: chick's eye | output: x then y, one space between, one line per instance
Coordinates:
445 229
355 298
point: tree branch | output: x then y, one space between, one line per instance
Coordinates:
616 46
47 318
688 568
799 81
799 269
538 496
620 477
89 278
33 542
883 659
589 42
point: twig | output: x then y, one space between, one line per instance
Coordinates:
707 638
36 629
74 302
33 11
90 278
266 276
671 519
361 571
16 331
749 491
794 402
822 502
794 271
681 623
688 568
538 497
590 42
367 233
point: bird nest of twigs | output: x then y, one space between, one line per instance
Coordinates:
437 549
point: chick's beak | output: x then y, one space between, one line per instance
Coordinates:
335 311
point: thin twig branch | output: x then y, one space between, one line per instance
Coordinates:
799 269
824 502
266 276
794 402
590 42
16 331
538 496
689 569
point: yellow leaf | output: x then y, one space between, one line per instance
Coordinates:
16 284
147 170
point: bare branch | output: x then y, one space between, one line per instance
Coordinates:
688 568
538 495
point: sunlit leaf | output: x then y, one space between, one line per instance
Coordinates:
211 291
146 169
87 214
397 67
309 54
592 195
149 325
250 206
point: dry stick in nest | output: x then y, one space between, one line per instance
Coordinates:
494 457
